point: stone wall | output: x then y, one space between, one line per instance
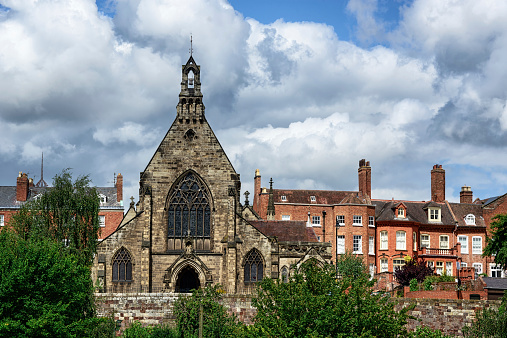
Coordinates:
447 315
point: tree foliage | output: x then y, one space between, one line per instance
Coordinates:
497 244
314 303
67 213
489 323
44 291
413 270
350 265
216 321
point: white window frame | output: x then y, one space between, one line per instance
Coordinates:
463 264
371 221
285 217
384 240
401 240
439 268
398 262
442 241
477 265
2 220
434 214
384 265
476 245
372 270
284 198
316 221
499 272
340 244
313 199
103 199
357 220
414 240
470 219
357 244
371 245
463 240
340 220
425 243
102 221
448 269
401 213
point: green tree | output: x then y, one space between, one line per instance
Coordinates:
314 303
67 213
350 265
489 323
44 291
216 321
497 244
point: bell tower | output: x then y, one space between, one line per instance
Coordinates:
190 106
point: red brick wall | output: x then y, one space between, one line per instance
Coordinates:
113 219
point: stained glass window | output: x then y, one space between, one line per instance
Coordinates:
122 266
253 266
189 213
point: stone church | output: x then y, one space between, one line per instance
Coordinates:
189 228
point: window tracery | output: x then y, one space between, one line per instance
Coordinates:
122 266
253 267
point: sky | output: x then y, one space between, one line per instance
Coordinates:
299 89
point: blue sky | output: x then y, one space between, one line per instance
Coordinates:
403 84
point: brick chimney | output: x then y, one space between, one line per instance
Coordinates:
364 173
257 192
466 195
438 184
119 188
22 187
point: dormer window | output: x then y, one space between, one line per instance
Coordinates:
103 199
434 214
470 219
313 199
401 213
284 198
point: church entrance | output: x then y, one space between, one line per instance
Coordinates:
187 280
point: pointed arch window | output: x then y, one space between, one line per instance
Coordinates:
189 213
254 267
122 266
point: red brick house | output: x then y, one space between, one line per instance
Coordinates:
111 205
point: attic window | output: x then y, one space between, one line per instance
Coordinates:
401 213
284 198
434 214
103 199
313 199
470 219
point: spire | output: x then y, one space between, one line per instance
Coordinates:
42 183
271 202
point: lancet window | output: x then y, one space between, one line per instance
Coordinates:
254 266
122 266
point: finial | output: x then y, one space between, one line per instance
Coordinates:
271 183
246 197
41 182
132 200
191 49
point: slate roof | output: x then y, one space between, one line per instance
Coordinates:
416 212
495 283
321 196
8 197
286 231
461 210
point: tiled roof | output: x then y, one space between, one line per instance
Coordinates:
321 196
8 196
495 283
286 231
384 211
461 210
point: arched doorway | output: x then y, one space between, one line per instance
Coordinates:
187 280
